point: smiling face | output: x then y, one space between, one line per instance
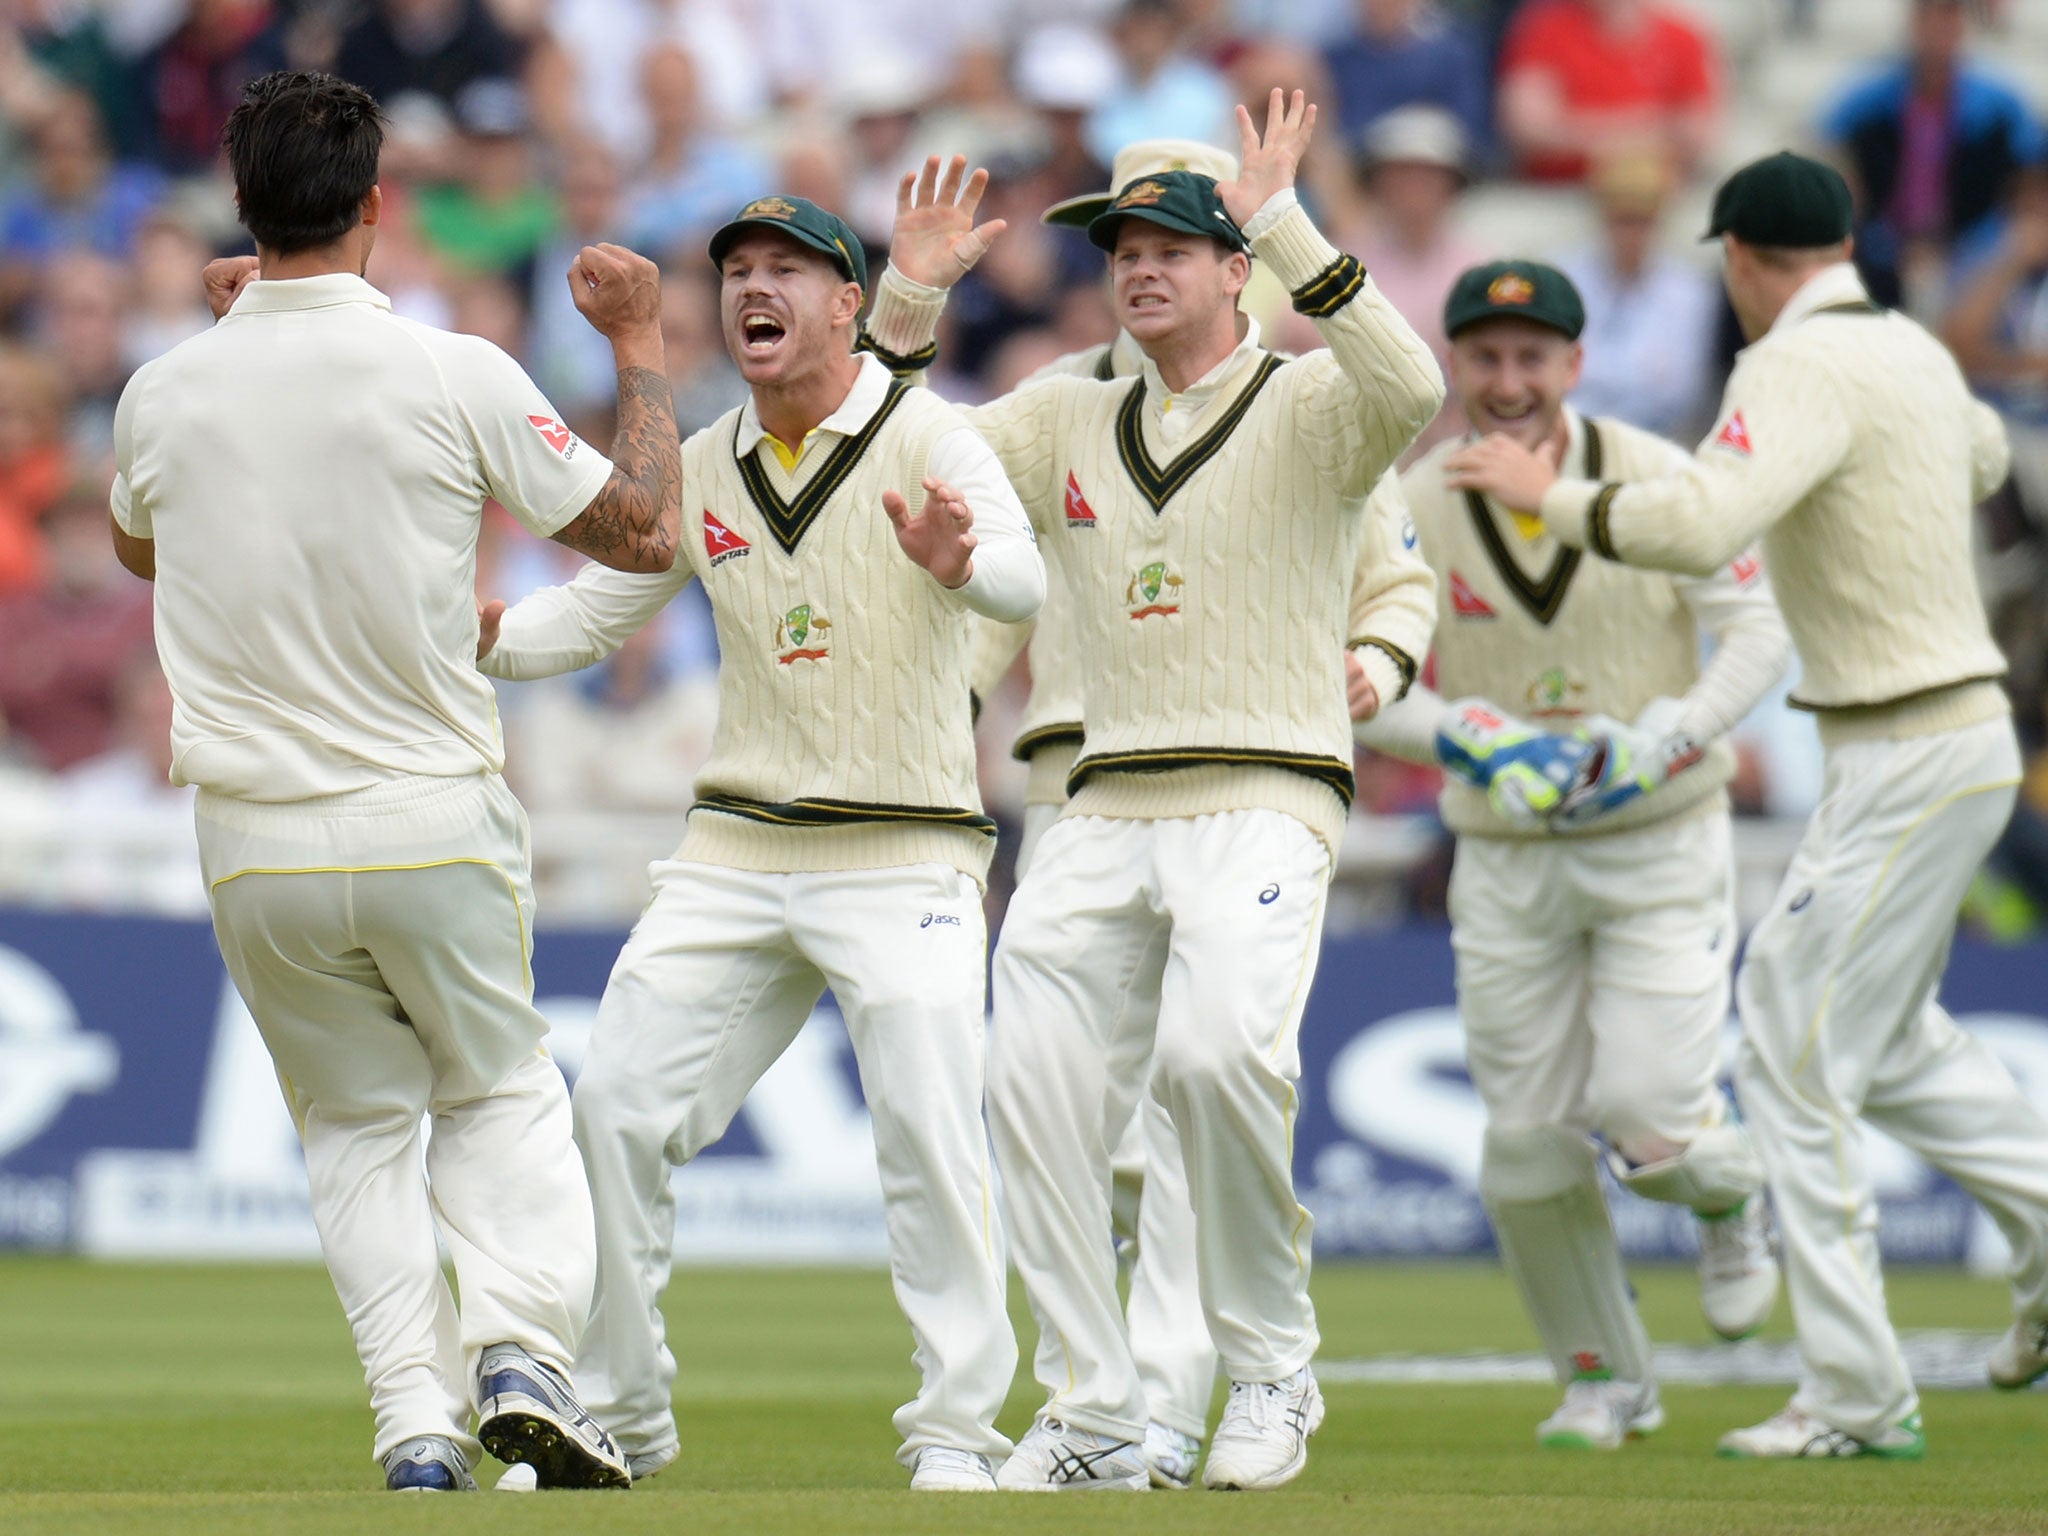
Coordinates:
1166 281
1512 375
786 310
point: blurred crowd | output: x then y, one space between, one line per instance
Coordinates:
1585 131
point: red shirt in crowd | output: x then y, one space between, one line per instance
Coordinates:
1660 64
61 657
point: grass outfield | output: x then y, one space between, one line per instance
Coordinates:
206 1399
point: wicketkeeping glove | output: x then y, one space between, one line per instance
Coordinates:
1526 773
1630 761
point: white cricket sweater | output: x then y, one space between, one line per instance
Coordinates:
1850 443
1213 541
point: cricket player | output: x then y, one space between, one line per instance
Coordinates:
1848 441
305 484
846 528
1593 938
1169 1335
1217 505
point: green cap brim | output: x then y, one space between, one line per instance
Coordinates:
1103 227
1078 212
722 241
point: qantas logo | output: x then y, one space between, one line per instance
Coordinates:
1466 603
1746 570
1734 436
1079 513
559 437
720 542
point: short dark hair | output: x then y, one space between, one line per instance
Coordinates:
303 147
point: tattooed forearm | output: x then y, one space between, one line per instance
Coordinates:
633 523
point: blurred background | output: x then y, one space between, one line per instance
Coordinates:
1588 132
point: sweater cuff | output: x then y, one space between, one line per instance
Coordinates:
1296 250
1567 509
903 320
1384 669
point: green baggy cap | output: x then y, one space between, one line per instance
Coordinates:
1784 200
804 221
1519 290
1183 200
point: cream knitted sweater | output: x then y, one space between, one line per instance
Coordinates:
1212 538
844 739
1553 637
1849 442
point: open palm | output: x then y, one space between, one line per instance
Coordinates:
1268 164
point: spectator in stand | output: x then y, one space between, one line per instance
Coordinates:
80 325
1063 74
1412 164
494 214
195 77
700 370
417 57
690 179
876 96
1403 52
1580 76
1167 93
570 372
169 307
1651 317
80 198
1998 324
34 462
1931 143
64 645
68 42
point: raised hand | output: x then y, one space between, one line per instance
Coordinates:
941 537
224 281
618 291
1502 468
936 241
1267 165
488 617
1359 693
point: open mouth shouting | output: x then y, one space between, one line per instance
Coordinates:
760 332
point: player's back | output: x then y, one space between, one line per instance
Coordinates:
313 472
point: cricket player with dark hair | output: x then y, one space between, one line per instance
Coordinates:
1849 443
846 527
305 483
1592 897
1212 581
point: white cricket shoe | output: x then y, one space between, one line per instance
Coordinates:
1056 1457
1263 1439
1738 1275
1600 1415
1171 1455
518 1478
428 1464
642 1465
527 1413
2021 1358
1794 1434
947 1469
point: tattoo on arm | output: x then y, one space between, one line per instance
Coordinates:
633 522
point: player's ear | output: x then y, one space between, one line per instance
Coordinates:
846 307
373 205
1577 365
1237 271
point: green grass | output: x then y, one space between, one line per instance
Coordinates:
206 1399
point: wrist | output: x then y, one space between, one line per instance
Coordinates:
966 575
640 347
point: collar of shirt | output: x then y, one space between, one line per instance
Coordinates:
1161 401
1836 284
870 388
271 296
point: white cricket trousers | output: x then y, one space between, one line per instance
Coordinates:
1169 1334
1837 996
1221 916
382 942
721 972
1593 978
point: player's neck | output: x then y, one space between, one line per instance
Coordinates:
791 412
1183 360
348 256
